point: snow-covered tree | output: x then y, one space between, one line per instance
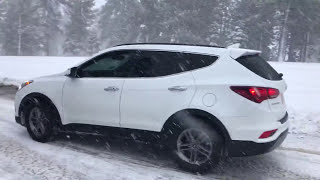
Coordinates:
296 32
119 22
93 43
77 30
253 25
50 12
284 30
22 35
3 11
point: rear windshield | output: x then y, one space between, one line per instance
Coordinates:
259 66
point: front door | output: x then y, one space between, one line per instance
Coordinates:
92 101
94 96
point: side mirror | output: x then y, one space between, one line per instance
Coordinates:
281 75
73 72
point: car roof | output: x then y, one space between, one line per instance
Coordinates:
177 44
192 48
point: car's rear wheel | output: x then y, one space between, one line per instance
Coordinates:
39 125
196 146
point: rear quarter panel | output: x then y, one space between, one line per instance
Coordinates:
230 108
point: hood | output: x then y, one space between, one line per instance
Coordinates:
53 75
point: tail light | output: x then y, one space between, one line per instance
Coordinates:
256 94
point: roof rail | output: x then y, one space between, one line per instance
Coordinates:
200 45
236 45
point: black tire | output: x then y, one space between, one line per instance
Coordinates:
186 124
48 116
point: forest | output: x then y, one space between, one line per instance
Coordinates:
284 30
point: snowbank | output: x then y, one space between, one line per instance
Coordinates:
14 70
302 96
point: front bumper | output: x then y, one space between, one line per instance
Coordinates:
249 148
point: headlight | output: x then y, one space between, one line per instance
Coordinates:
25 84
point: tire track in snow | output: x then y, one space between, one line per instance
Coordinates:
300 150
34 164
258 167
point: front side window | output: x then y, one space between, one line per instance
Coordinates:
106 65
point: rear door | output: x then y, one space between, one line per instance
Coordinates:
270 77
159 86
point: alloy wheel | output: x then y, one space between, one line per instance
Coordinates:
194 146
38 122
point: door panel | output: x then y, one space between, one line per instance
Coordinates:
146 103
92 101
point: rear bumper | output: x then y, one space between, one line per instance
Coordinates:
249 148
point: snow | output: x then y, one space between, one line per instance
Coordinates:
297 158
100 3
302 96
14 70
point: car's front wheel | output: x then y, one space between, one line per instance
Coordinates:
196 146
39 127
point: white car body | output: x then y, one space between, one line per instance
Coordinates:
146 103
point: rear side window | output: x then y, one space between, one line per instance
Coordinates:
197 61
259 66
156 63
161 63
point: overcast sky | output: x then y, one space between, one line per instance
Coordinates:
99 3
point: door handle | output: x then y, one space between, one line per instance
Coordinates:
111 89
177 88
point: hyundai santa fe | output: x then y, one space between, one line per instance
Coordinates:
202 102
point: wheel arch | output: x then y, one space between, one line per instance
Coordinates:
205 116
35 97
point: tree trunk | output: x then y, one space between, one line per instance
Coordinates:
284 36
291 53
19 36
47 29
305 48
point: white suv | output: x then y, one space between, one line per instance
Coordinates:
202 102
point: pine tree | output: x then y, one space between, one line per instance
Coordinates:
22 32
300 37
296 29
93 43
51 22
77 30
253 25
221 27
3 11
120 22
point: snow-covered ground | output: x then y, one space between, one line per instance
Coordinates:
302 96
93 158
